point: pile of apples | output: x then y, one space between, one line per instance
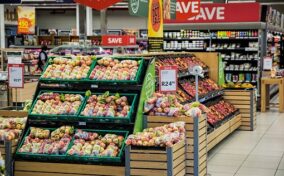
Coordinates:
94 144
114 69
11 128
106 105
57 104
166 135
64 68
168 105
42 141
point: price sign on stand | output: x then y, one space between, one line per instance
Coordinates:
16 75
168 78
267 63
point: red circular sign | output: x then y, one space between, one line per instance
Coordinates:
156 15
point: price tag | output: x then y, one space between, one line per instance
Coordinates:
16 75
82 123
168 78
267 63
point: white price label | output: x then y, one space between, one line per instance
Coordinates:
168 79
267 63
16 75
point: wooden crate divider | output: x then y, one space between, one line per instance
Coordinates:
223 131
196 140
167 161
29 168
8 149
245 100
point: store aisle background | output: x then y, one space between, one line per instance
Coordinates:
257 153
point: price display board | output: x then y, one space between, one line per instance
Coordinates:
267 63
16 75
168 78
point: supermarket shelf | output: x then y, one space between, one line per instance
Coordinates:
211 96
232 49
111 47
31 47
241 70
11 23
240 60
185 39
237 38
189 49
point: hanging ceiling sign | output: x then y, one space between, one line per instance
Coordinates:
216 13
98 4
10 1
26 20
187 8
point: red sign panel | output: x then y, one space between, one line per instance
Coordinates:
187 9
97 4
118 40
218 13
168 78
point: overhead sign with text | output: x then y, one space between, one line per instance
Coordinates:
117 40
155 26
26 20
189 12
98 4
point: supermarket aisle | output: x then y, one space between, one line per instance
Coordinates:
257 153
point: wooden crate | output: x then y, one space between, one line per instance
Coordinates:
167 161
223 131
13 146
245 100
10 114
196 140
25 168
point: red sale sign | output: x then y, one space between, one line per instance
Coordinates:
168 78
118 40
97 4
217 13
187 8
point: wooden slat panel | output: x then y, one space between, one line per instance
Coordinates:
143 157
178 146
23 173
242 106
177 169
148 172
69 168
169 119
238 102
181 173
148 165
180 159
240 93
236 97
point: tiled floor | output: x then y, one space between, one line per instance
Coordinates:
257 153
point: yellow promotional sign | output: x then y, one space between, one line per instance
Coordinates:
26 20
155 18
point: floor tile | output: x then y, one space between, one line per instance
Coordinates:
280 173
219 174
264 162
244 171
222 169
281 165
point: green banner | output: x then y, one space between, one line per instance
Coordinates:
148 89
140 8
221 79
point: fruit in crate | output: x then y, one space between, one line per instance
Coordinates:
57 104
13 123
166 135
168 105
182 96
60 132
39 141
64 68
209 85
8 134
113 69
94 144
106 105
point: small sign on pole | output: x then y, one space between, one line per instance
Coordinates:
267 63
168 78
16 75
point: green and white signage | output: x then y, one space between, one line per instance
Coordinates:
138 7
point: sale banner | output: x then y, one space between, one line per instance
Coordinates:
98 4
26 20
191 12
168 78
118 40
155 26
16 75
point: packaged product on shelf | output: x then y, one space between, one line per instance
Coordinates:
166 135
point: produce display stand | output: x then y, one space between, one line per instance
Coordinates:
143 88
162 161
245 101
196 140
223 131
265 86
8 148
